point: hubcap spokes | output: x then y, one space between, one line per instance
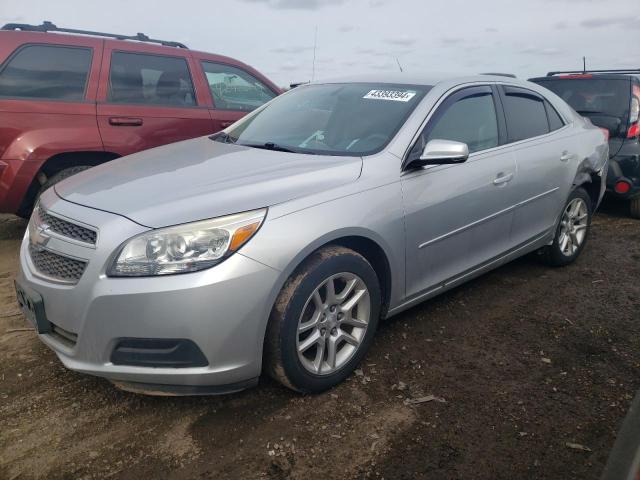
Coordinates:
573 227
333 323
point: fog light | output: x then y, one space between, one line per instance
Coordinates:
622 186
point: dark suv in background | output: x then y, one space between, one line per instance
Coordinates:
72 99
611 100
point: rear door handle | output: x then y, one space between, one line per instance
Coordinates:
125 121
226 123
565 157
503 178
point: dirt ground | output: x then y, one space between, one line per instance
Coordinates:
522 361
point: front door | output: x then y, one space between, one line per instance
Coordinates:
147 100
459 216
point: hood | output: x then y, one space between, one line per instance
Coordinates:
200 178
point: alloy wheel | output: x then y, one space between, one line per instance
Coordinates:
573 227
333 323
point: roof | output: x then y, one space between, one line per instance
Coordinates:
426 79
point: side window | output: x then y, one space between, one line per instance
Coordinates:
235 89
471 120
150 79
526 115
47 72
555 121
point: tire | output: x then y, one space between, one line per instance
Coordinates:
58 177
634 207
559 253
316 369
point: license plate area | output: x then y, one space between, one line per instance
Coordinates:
32 306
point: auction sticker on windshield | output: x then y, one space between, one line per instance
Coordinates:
394 95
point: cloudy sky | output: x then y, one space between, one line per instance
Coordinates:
527 37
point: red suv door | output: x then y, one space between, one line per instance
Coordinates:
148 97
235 89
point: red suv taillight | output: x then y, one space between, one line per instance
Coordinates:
634 113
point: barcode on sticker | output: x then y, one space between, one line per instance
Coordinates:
394 95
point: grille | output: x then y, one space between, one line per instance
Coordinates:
57 266
67 229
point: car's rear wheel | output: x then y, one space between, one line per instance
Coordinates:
634 208
323 321
572 231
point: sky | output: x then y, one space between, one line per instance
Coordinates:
525 37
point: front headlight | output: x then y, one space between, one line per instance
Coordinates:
185 248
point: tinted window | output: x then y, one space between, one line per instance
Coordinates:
604 101
235 89
43 71
589 96
150 79
526 116
555 121
471 120
329 119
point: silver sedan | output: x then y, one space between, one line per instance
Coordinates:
278 244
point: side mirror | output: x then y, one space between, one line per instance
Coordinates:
442 152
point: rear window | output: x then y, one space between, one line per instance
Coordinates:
593 97
46 72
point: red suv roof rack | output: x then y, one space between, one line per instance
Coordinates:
50 27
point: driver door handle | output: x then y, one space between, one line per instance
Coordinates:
503 178
566 156
125 121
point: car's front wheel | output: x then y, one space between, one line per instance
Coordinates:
323 321
572 231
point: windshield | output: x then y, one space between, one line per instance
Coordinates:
330 119
593 96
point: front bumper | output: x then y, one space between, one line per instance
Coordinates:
223 310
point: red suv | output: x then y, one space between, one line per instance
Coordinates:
69 102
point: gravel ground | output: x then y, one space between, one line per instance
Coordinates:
520 362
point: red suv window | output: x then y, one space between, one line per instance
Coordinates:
137 78
46 71
235 89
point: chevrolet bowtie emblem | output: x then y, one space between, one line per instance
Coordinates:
38 236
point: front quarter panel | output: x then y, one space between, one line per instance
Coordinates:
370 208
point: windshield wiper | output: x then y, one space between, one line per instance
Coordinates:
269 146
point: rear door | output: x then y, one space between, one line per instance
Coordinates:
234 90
148 98
537 137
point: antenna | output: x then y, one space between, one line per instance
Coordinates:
584 64
399 66
313 66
